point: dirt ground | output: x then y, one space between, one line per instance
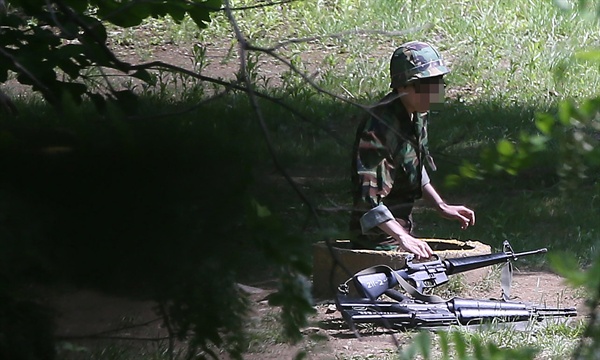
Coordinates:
87 319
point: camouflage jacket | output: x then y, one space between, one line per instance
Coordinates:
389 153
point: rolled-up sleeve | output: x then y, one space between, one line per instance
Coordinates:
374 217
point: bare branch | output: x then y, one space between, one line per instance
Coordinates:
253 100
304 76
165 315
258 6
349 32
194 4
155 65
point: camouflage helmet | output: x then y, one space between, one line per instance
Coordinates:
415 60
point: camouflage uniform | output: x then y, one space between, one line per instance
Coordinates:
389 152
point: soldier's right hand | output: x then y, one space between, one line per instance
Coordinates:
418 247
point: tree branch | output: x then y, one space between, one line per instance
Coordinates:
346 33
154 65
244 47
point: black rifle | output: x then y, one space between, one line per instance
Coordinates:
426 311
427 275
415 314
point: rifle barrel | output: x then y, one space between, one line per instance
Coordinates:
458 265
532 252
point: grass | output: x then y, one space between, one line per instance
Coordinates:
504 51
554 340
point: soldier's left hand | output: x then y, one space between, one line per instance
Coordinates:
464 215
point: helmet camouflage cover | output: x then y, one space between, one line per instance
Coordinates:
415 60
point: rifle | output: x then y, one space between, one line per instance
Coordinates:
426 311
457 311
427 275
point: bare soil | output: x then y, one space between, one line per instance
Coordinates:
91 319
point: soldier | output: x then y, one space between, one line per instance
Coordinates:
390 152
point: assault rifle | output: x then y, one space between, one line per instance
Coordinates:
416 309
457 311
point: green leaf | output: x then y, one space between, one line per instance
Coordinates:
12 21
97 29
590 107
201 13
452 180
567 266
545 123
77 5
211 5
75 90
468 170
142 10
460 345
566 111
301 355
409 353
444 344
478 349
124 15
423 341
126 100
176 11
262 211
590 55
144 76
3 74
70 68
538 142
505 148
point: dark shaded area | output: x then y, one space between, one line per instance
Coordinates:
178 209
150 209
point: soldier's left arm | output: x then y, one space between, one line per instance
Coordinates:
464 215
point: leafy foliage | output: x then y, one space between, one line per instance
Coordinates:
455 345
589 279
52 45
152 209
571 135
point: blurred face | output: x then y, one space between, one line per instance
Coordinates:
419 95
